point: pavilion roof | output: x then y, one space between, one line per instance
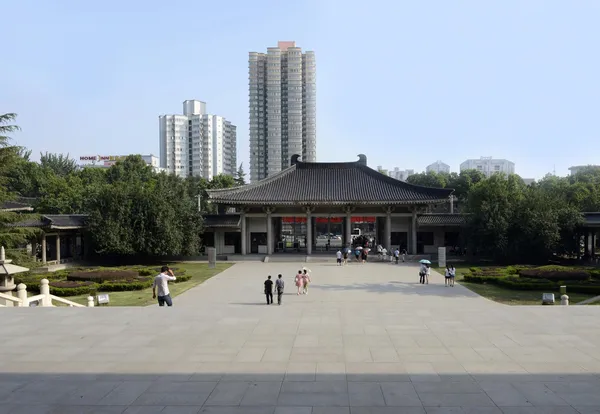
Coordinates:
311 183
55 221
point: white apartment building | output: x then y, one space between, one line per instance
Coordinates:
438 167
489 166
282 108
399 174
578 168
197 143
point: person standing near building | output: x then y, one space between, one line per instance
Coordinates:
161 283
279 286
298 281
305 280
269 290
452 275
338 257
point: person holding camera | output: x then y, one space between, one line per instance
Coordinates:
161 284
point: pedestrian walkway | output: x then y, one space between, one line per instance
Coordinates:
366 339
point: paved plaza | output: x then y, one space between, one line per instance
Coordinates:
367 339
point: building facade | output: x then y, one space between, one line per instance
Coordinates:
399 174
489 166
309 207
438 167
282 108
197 143
578 168
106 161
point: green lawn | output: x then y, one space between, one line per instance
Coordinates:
199 272
510 296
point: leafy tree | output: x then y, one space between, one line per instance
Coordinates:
60 164
429 179
463 182
240 177
6 128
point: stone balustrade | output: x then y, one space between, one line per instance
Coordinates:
44 299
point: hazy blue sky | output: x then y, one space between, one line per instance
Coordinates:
406 83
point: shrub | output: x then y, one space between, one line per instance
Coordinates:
125 285
176 270
72 288
515 269
555 273
183 278
479 278
102 275
518 283
146 272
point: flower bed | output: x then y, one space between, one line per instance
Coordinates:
555 273
72 288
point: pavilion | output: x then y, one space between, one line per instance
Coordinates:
319 206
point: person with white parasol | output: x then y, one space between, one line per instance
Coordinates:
425 271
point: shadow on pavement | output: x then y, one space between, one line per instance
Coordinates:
356 388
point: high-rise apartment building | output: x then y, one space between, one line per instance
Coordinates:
438 167
197 143
282 104
489 166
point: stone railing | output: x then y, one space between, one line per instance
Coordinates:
44 299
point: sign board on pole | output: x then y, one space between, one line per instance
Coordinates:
212 257
441 256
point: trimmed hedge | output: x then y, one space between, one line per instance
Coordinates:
125 285
72 288
146 272
182 278
102 275
555 273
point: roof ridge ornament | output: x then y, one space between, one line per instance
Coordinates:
294 159
362 159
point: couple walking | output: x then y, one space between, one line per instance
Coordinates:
279 285
302 280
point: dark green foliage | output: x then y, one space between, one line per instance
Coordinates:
182 278
125 285
102 275
555 273
72 288
146 272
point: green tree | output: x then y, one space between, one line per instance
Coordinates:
7 127
60 164
429 179
240 176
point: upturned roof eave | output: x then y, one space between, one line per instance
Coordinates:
327 202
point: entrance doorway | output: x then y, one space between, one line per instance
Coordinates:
257 240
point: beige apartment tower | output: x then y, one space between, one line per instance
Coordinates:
282 105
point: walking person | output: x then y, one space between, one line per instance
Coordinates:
305 281
422 273
269 290
397 255
365 252
338 257
345 256
447 276
452 275
427 273
299 282
403 255
161 283
279 286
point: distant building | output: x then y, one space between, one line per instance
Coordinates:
197 143
438 167
489 166
399 174
578 168
282 106
106 161
528 181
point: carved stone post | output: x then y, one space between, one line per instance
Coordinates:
244 235
387 239
269 211
413 245
309 230
348 210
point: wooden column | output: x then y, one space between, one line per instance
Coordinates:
269 232
387 232
58 248
244 236
413 246
309 230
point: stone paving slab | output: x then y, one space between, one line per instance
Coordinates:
366 339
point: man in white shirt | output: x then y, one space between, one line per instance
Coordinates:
338 256
161 282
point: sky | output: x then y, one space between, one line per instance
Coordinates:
404 82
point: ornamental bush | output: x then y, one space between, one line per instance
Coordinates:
146 272
182 278
555 273
72 288
102 275
121 285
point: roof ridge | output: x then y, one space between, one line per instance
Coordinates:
376 174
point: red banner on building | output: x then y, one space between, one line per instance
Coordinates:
332 220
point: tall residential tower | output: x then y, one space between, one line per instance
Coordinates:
197 143
282 104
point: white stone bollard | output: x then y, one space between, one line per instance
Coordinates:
90 301
22 294
45 290
564 300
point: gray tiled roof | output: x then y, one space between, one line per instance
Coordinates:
55 221
329 183
15 206
591 219
222 220
441 220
